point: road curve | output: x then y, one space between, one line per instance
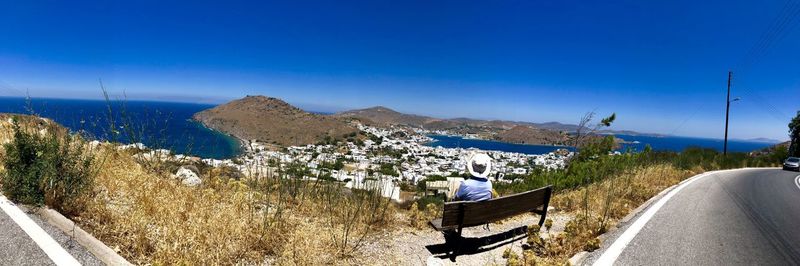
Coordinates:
738 217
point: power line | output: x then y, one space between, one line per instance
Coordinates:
774 33
5 86
784 22
765 105
696 110
771 29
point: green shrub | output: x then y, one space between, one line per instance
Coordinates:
437 200
43 168
388 169
25 163
595 165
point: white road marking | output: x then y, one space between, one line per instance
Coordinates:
612 253
797 181
50 247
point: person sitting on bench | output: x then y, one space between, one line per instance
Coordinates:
477 187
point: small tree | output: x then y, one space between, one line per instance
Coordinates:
794 135
584 130
586 141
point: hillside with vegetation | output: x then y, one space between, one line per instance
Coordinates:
781 148
271 120
138 204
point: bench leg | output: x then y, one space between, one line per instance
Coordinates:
543 216
545 206
459 242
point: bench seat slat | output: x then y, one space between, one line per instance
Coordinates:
437 224
478 213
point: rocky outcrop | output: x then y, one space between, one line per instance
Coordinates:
273 121
188 176
385 116
530 135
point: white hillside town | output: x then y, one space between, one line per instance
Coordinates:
390 156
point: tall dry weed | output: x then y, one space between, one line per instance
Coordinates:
599 206
154 219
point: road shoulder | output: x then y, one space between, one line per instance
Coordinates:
607 239
67 241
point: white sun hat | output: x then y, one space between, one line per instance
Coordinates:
479 165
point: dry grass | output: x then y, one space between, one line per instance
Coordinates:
156 220
624 192
153 219
419 219
6 134
597 207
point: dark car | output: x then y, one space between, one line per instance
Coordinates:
792 163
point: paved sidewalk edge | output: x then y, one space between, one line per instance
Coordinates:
96 247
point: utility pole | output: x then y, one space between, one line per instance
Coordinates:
727 112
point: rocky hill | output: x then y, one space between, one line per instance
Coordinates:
274 121
385 116
529 135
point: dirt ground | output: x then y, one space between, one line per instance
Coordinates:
481 246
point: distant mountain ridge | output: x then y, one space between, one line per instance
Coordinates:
271 120
507 131
773 148
385 116
764 140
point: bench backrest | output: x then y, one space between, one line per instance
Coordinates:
472 213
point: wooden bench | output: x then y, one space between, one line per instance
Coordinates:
460 214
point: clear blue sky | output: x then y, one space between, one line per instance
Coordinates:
655 63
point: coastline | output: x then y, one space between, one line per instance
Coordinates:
498 141
493 145
239 145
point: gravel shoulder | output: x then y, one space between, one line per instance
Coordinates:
17 248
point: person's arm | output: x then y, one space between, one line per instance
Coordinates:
460 192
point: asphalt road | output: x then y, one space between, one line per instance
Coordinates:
17 248
741 217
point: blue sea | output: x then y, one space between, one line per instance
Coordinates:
165 125
168 125
668 143
676 143
490 145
